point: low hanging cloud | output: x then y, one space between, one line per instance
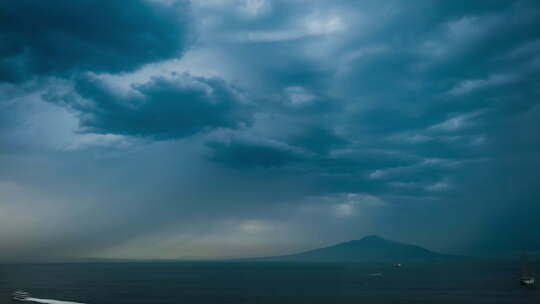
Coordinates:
243 152
162 108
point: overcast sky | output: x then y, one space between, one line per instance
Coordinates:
233 128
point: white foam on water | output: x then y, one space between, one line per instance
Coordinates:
48 301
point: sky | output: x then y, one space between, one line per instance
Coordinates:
239 128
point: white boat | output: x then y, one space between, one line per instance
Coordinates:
397 265
20 295
527 275
527 281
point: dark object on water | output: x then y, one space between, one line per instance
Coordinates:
527 274
20 295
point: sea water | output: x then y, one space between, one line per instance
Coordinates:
267 282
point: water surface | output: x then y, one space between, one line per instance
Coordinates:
267 282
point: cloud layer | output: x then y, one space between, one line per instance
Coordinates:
260 127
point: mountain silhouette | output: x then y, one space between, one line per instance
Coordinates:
368 249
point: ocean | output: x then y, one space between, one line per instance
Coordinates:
266 282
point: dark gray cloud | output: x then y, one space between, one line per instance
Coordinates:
318 139
56 38
243 154
161 108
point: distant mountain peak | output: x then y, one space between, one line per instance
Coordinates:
371 238
371 248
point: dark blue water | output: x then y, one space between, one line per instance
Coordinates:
243 282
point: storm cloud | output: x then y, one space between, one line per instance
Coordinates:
263 127
160 108
58 38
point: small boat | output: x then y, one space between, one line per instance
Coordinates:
397 265
527 275
20 295
527 281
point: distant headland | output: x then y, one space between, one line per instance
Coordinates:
370 249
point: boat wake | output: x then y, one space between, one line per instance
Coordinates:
48 301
